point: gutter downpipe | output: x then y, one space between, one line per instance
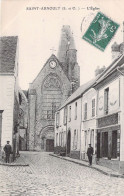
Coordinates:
80 126
121 106
66 128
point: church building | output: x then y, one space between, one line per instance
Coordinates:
57 80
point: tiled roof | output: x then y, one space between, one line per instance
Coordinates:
8 47
116 63
82 89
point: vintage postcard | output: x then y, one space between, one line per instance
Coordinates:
61 98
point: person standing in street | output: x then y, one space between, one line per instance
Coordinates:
8 150
90 154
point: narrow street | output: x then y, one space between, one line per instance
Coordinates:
49 176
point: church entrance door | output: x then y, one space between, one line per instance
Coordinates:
49 145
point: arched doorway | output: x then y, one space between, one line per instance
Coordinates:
47 138
68 142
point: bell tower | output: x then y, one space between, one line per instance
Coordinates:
67 55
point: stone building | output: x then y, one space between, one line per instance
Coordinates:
9 99
70 123
56 81
88 124
23 120
110 116
94 114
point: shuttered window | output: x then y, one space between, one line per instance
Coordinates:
57 119
75 110
65 116
69 113
106 100
85 111
93 107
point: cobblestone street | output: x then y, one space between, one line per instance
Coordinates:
47 175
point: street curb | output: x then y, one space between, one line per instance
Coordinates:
5 164
82 164
23 164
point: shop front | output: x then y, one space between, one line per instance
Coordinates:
108 141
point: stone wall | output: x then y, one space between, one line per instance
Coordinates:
32 117
51 88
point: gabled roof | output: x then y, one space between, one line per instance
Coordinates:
8 46
112 67
55 58
50 58
78 93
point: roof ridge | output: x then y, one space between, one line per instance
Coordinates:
53 55
110 68
86 86
8 49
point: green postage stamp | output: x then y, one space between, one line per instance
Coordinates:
100 31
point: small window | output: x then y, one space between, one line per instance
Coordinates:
69 113
75 110
57 119
85 111
93 107
65 116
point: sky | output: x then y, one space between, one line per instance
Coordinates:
39 31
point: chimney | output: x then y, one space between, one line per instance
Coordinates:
99 70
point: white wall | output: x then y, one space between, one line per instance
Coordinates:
122 118
75 124
6 104
60 130
113 97
90 123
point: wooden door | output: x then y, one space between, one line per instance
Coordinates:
105 144
114 144
98 145
49 145
69 143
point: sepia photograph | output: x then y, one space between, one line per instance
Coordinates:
61 98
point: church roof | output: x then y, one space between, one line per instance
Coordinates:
78 93
8 46
52 57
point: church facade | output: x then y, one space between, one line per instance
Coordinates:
57 80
